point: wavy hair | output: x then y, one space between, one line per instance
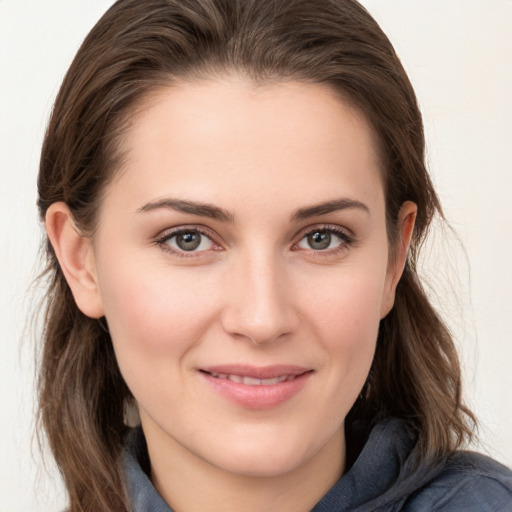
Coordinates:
139 46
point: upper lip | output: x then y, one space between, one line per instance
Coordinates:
257 372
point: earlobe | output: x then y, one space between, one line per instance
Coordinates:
76 258
406 221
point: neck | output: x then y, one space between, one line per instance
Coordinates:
188 483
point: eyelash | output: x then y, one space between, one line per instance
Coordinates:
162 239
346 240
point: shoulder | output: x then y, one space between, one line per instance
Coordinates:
468 482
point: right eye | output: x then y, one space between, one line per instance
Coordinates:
182 241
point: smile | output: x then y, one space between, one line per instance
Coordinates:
256 387
252 381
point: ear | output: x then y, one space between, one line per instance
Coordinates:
406 220
76 258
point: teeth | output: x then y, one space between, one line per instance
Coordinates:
251 381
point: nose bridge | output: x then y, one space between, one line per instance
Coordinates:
260 306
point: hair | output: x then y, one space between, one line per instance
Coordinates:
140 46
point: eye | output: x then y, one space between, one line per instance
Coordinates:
186 241
324 239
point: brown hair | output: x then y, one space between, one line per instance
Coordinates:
141 45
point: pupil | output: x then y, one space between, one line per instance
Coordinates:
319 240
188 241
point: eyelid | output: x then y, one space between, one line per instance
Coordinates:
169 233
345 234
333 228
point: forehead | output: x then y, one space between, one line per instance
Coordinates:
286 139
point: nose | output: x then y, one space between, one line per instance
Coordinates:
260 305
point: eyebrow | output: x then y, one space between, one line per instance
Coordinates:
214 212
328 207
192 207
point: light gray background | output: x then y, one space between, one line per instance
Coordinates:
459 56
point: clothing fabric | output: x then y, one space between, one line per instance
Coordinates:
383 477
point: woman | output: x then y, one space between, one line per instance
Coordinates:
235 195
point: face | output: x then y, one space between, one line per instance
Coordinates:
241 262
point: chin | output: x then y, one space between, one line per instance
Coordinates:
261 465
263 455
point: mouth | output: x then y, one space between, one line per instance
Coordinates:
257 387
252 381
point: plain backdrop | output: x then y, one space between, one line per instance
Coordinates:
458 54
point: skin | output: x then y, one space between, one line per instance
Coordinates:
255 292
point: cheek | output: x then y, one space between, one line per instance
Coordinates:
347 301
154 317
345 315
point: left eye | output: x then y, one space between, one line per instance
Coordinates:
188 241
322 239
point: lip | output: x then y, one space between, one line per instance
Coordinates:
257 396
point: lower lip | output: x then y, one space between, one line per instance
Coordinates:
257 397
